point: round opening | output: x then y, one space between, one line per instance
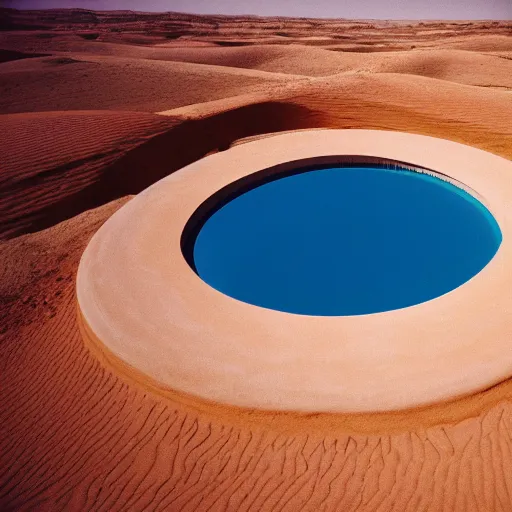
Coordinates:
344 240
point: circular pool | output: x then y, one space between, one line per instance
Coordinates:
145 312
345 241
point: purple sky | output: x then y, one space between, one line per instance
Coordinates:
376 9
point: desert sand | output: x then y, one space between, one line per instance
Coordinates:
96 107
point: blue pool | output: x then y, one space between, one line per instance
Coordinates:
345 241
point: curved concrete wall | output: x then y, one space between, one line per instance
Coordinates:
140 300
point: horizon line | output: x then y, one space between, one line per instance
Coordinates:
248 15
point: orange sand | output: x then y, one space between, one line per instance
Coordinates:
75 432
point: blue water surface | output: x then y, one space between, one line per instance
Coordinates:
346 241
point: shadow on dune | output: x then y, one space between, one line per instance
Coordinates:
9 55
170 151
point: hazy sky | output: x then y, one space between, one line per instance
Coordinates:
387 9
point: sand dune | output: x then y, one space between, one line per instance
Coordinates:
391 101
48 158
120 100
292 59
452 65
77 83
479 43
62 173
471 115
461 66
458 66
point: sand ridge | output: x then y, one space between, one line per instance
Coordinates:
63 155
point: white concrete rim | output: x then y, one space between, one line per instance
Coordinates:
139 297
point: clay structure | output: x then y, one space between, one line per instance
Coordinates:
184 335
